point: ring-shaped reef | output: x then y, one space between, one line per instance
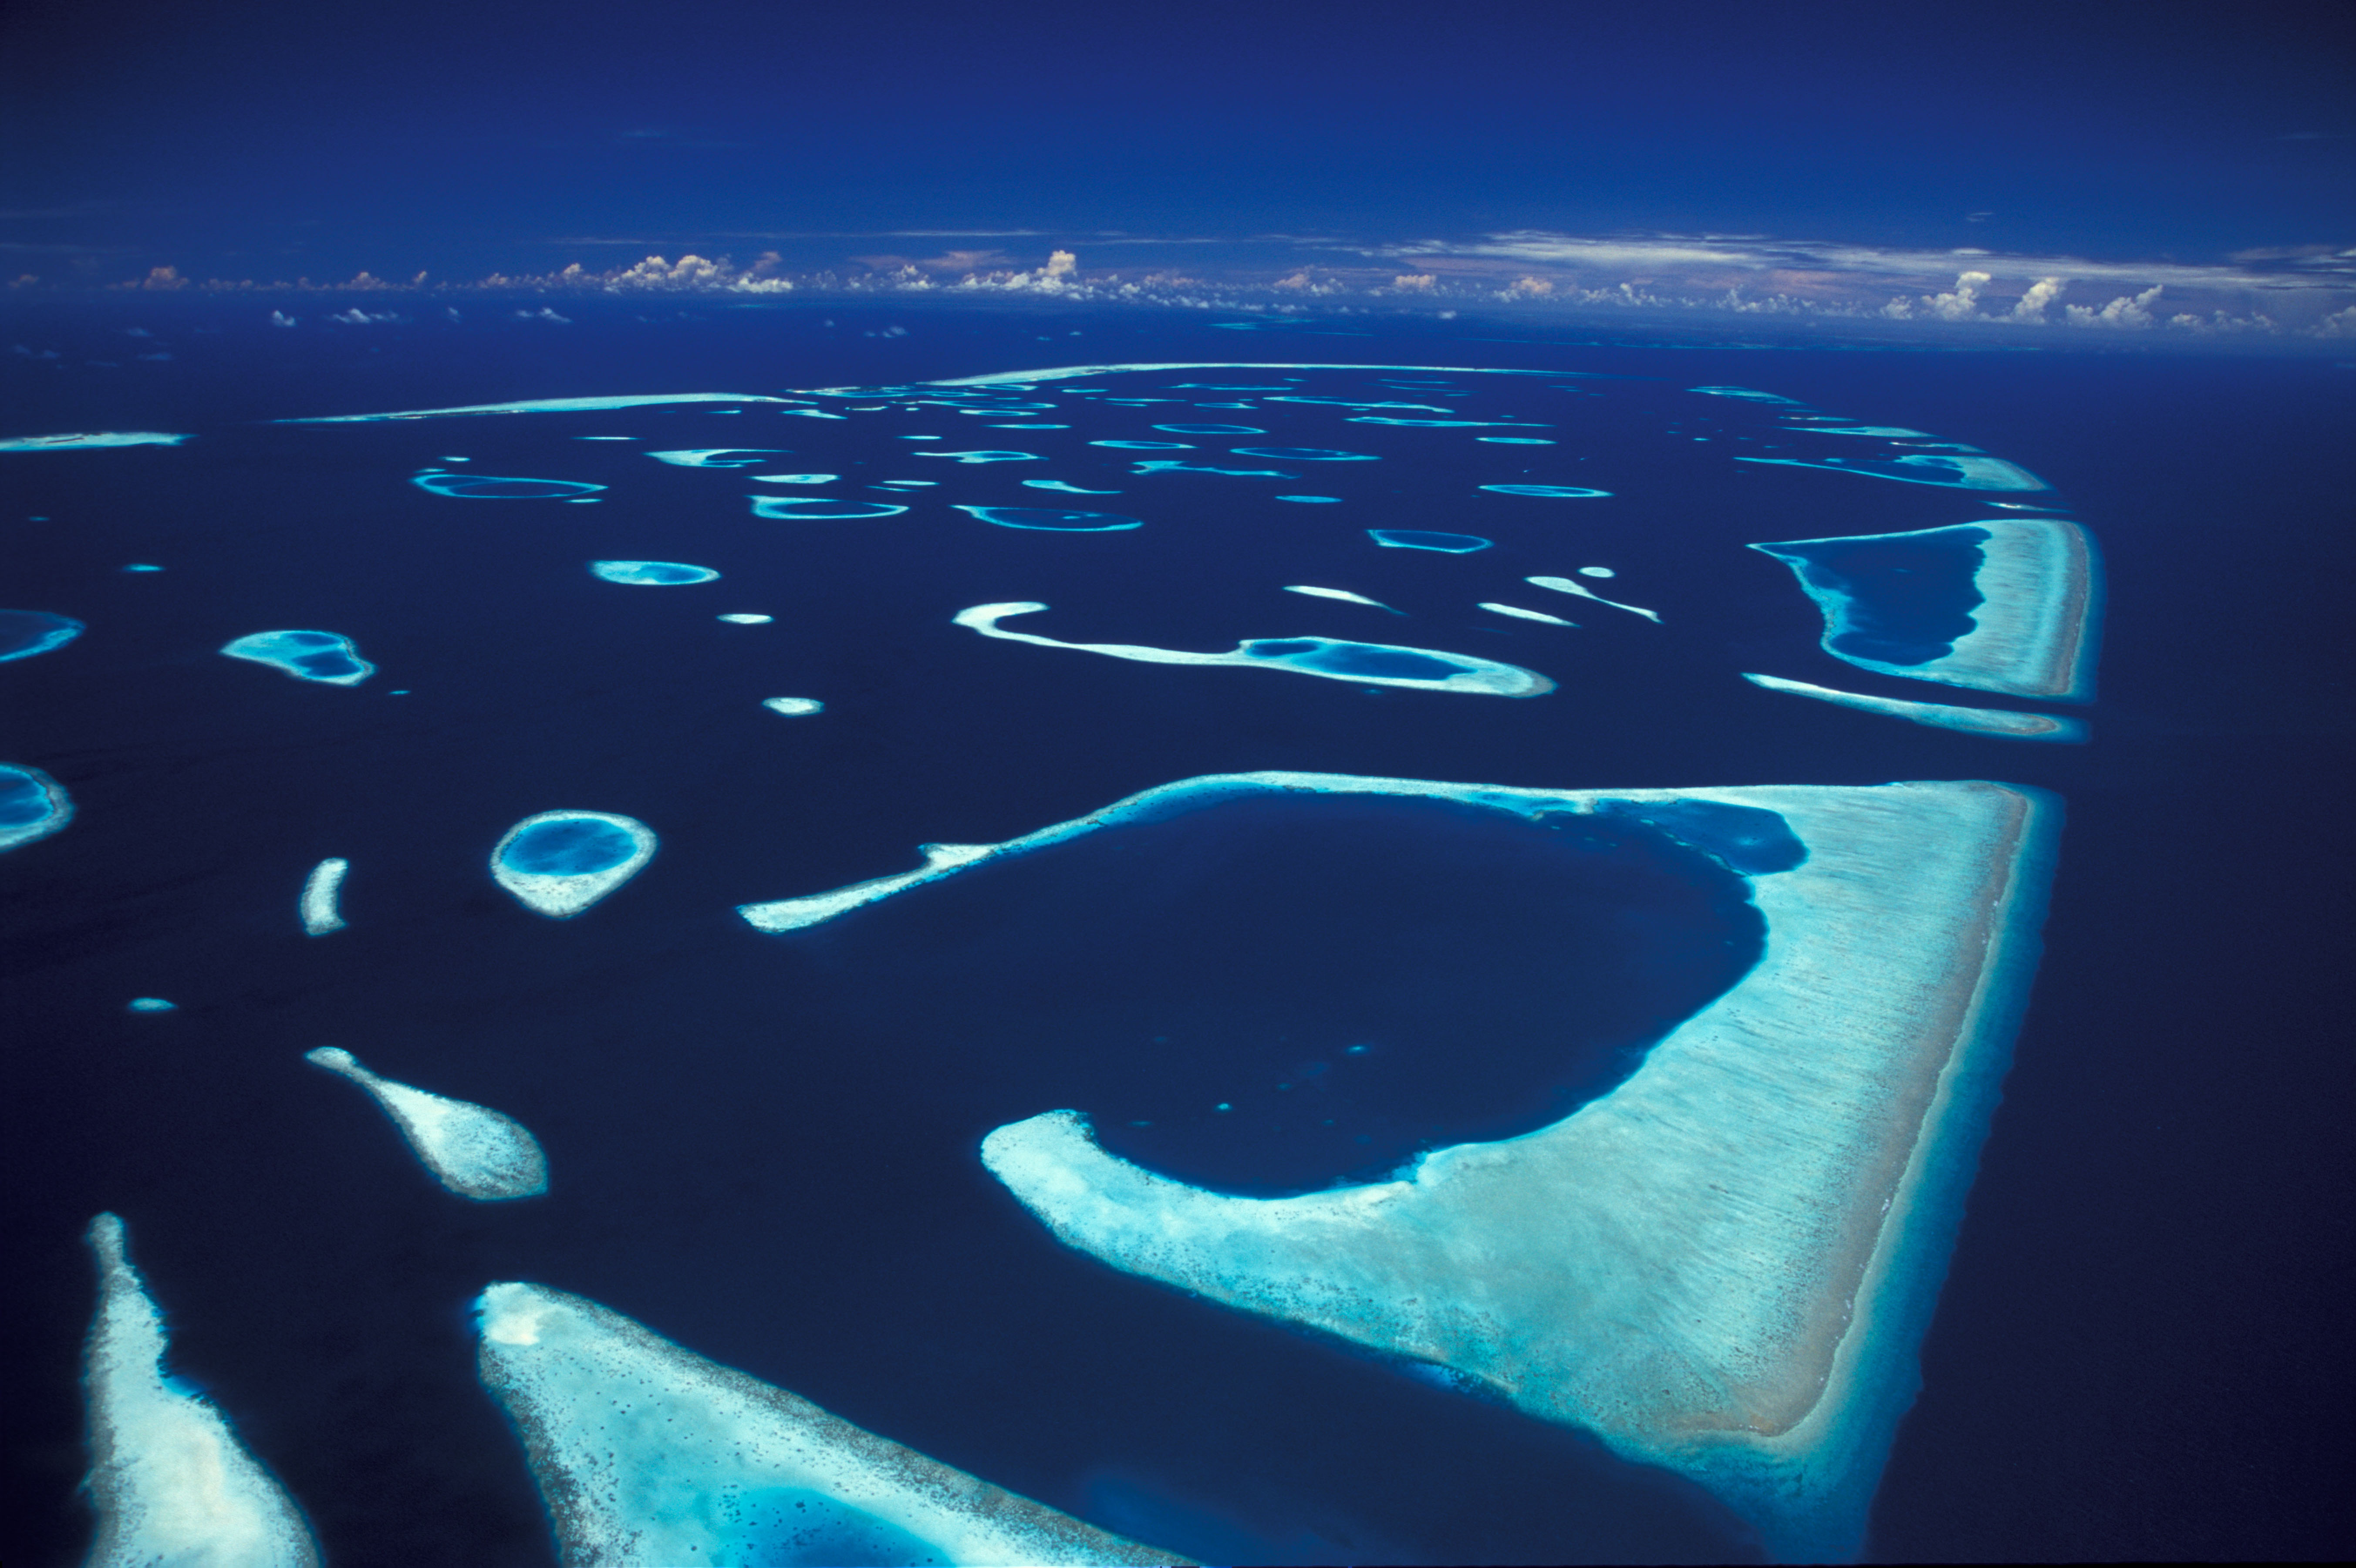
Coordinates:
718 456
493 487
1367 663
1049 520
986 456
798 509
1564 492
1304 454
2005 605
1724 1265
324 656
652 574
1148 445
1210 430
32 805
559 863
25 633
1420 539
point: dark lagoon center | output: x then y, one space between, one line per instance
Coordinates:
1269 995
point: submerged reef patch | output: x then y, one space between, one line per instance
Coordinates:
1049 520
2007 604
168 1478
32 805
545 406
25 633
718 456
1560 491
652 574
647 1452
1922 468
494 487
1420 539
800 507
1375 663
2004 724
559 862
323 657
794 707
471 1149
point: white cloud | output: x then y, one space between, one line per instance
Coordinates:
2031 304
1963 302
544 313
2127 310
280 318
355 316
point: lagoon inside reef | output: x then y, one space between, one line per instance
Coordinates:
1223 846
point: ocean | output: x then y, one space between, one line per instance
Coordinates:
763 1146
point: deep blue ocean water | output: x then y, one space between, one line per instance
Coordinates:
764 1148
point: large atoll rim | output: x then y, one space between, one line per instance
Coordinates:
1724 1265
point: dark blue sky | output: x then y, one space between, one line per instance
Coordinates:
267 141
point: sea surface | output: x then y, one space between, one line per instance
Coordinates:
763 1147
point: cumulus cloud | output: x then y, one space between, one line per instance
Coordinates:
2127 310
544 313
280 318
2031 304
355 316
1963 303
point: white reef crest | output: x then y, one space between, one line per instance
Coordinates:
2003 723
648 1454
170 1481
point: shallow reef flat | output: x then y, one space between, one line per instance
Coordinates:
325 656
169 1480
89 438
471 1149
2035 631
1369 663
647 1452
321 890
1724 1265
2002 724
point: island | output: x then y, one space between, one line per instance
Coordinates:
321 656
471 1149
558 863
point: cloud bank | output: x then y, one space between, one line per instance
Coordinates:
2281 296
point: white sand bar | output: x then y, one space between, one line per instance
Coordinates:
169 1480
1997 722
471 1149
1725 1265
648 1454
318 906
547 406
89 438
1365 664
1564 585
2037 630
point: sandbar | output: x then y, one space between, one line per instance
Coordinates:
2001 723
